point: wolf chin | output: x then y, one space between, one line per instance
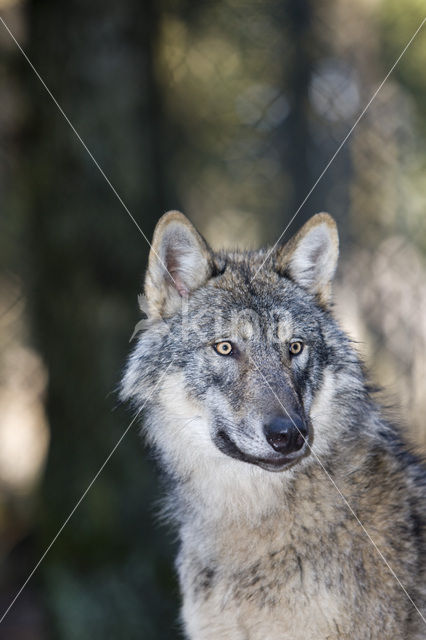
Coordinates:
300 512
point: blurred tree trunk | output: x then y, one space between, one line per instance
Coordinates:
308 139
98 59
298 140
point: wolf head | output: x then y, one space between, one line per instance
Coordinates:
242 364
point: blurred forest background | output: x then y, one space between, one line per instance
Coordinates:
228 110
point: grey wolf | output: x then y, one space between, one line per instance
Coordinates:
300 511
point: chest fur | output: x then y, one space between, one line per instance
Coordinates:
290 585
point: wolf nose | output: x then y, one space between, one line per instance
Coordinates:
286 435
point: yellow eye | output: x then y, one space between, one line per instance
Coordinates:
296 348
223 348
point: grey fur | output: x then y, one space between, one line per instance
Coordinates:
275 555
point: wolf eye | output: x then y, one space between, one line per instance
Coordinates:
223 348
296 347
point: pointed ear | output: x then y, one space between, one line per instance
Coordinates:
310 257
180 261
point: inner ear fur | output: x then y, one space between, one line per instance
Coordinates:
180 261
310 257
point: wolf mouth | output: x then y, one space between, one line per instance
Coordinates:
274 463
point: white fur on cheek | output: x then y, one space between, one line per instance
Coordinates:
324 411
184 431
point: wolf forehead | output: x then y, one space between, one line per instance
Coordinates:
240 297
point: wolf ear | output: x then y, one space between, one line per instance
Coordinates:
310 257
180 261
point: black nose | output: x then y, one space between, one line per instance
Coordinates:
286 434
